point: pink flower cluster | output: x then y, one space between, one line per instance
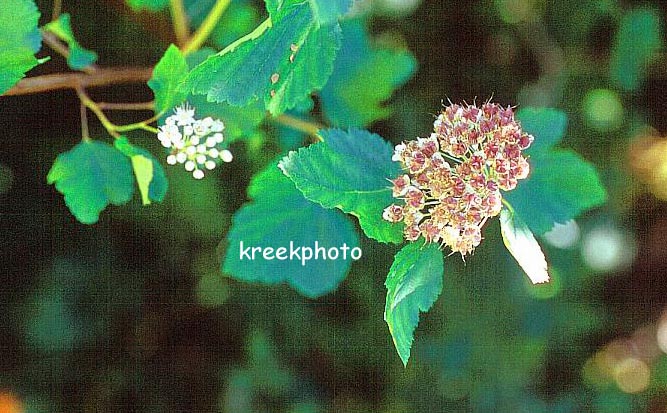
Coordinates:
453 178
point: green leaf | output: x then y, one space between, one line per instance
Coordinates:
638 39
279 64
79 57
523 246
363 78
277 216
143 171
329 11
413 284
19 41
547 125
91 176
152 5
561 184
152 180
349 171
169 72
241 122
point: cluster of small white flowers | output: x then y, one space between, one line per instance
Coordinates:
195 143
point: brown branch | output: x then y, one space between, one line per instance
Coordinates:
101 77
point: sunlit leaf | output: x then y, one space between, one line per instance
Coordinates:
413 284
523 246
150 176
349 171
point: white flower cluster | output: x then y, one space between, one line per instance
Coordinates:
193 142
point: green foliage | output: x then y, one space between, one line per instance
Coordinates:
279 64
151 5
167 76
79 57
241 122
349 170
638 38
277 216
413 284
91 176
150 176
561 184
363 78
19 41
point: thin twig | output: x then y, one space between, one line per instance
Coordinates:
207 26
101 77
310 128
85 134
127 106
179 19
57 9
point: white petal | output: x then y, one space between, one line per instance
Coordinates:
210 165
201 158
198 174
213 153
190 150
181 157
171 160
521 243
226 156
189 166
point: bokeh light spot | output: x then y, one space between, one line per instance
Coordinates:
563 236
603 110
632 375
607 248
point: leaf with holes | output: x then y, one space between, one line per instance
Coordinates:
279 64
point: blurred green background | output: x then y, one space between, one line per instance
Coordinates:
133 315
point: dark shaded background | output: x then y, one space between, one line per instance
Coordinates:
132 314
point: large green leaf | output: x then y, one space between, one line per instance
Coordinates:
349 171
79 57
363 78
561 184
152 5
241 122
639 37
167 76
91 176
148 172
19 41
278 216
413 284
280 63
